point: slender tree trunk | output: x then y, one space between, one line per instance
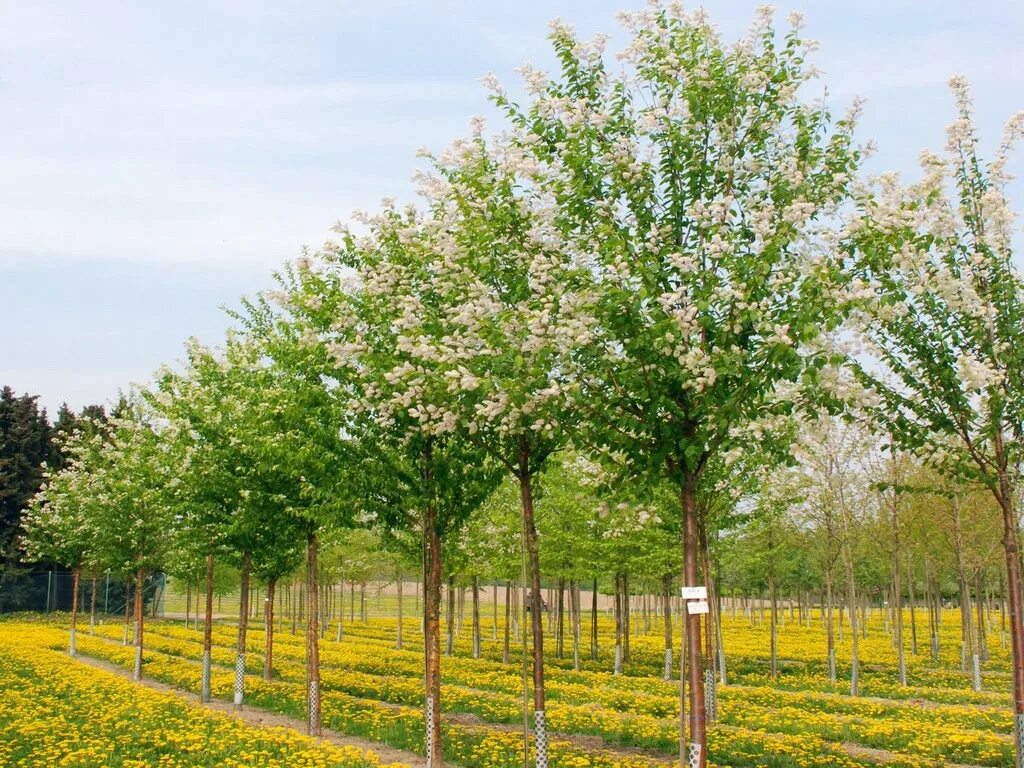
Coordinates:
494 612
127 609
1015 598
398 634
505 656
140 579
912 599
204 691
574 599
698 725
243 626
313 725
75 576
450 644
92 607
619 625
593 623
773 596
432 639
830 626
476 618
625 619
719 639
1002 609
461 606
537 624
560 637
666 582
851 603
646 609
979 592
292 605
897 595
268 628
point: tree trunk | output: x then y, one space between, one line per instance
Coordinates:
505 656
92 607
851 604
476 618
979 592
912 599
574 600
432 638
625 619
619 622
773 596
140 578
75 576
127 609
243 626
830 627
698 733
204 691
537 624
560 633
313 725
268 628
666 582
1014 599
897 595
291 605
593 623
341 611
461 609
398 633
450 617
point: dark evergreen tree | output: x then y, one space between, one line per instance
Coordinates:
24 448
92 417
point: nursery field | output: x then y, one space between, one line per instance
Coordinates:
55 710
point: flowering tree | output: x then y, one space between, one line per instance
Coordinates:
431 477
701 186
213 471
58 524
133 505
944 327
830 455
235 499
513 299
315 465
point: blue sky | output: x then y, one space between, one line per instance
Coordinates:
158 160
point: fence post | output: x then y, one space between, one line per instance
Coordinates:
49 578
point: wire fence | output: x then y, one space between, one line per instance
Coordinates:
49 591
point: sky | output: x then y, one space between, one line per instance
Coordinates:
159 160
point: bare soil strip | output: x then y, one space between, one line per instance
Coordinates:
260 717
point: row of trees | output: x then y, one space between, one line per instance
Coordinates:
29 444
653 276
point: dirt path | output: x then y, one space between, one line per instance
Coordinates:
261 717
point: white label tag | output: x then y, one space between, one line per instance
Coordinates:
699 606
695 593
